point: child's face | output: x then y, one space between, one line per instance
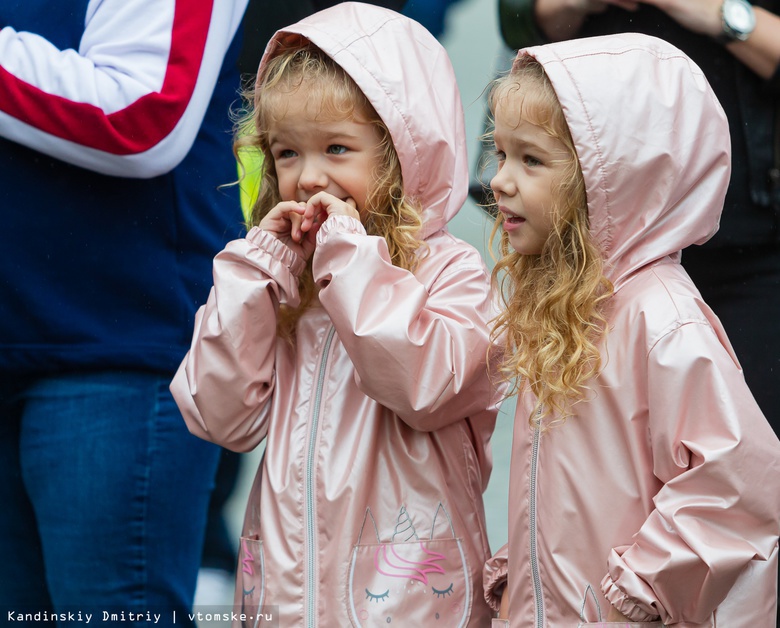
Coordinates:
530 162
314 155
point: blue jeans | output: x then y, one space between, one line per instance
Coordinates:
103 498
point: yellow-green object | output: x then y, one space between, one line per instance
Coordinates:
249 178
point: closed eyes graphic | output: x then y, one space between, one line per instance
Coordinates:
373 597
444 593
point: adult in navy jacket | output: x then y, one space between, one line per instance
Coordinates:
114 140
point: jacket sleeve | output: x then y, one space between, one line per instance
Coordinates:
719 464
494 577
421 352
228 376
130 101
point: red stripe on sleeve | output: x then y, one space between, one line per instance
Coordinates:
142 124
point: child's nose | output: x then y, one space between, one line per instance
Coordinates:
498 183
312 176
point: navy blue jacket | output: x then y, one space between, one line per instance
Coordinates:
114 142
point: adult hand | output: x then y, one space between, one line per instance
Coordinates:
599 6
760 52
562 19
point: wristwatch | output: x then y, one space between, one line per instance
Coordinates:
737 19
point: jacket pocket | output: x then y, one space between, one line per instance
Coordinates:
418 583
251 576
585 610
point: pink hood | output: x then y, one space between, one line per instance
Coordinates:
652 140
413 89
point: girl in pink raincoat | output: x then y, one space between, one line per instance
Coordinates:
348 331
645 482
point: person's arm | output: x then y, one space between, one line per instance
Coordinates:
130 100
760 52
719 463
418 350
562 19
229 373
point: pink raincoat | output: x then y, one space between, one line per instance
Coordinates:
367 506
661 495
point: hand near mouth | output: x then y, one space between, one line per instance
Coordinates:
297 223
322 205
284 223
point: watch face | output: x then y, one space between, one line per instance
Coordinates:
739 16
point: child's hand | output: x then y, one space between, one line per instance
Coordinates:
296 224
322 205
504 612
615 615
284 222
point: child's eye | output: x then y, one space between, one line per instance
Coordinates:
499 154
531 161
378 598
287 153
444 593
337 149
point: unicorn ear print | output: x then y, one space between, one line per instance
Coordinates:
444 523
405 532
590 593
404 528
366 517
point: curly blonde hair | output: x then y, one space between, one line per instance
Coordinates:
300 65
553 314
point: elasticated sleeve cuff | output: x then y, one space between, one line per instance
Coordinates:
494 576
339 224
277 249
632 608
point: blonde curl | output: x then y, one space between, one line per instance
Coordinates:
553 317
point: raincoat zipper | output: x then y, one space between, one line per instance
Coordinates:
537 581
311 585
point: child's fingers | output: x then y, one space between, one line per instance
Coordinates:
278 219
307 217
322 202
295 218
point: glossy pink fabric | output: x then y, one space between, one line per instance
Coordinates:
662 494
368 503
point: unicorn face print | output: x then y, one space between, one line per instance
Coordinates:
409 581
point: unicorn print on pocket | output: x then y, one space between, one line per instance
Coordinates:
252 578
409 580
